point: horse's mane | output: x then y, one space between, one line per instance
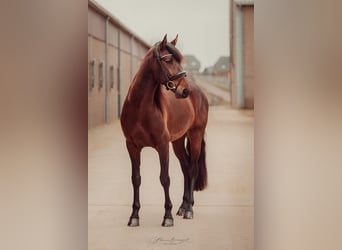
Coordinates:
170 47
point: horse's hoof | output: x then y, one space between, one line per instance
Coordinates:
188 215
181 211
167 222
133 222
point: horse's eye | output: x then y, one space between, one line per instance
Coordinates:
168 60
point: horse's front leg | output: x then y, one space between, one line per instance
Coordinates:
163 151
134 153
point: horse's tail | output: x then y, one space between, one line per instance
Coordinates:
202 178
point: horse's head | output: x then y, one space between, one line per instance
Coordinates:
171 73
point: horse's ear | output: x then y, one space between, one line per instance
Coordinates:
163 43
174 41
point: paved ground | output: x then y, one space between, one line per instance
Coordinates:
223 213
211 88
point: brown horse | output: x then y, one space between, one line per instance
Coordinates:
163 106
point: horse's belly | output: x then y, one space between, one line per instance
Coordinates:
179 123
178 134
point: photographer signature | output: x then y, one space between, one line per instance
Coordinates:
172 241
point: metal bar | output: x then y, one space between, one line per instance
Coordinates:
101 74
106 71
92 73
111 70
239 66
132 45
119 75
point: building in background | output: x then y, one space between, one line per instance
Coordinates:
208 70
222 67
114 55
242 53
191 64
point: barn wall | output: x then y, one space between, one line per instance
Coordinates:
120 52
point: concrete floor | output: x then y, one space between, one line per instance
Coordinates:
209 87
223 213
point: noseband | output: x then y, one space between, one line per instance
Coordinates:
169 84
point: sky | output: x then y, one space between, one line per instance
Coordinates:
202 25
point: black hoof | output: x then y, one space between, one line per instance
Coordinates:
167 222
188 215
181 211
133 222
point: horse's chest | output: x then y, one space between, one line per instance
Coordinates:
146 130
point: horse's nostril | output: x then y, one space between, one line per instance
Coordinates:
185 93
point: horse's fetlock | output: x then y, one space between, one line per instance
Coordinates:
168 206
136 206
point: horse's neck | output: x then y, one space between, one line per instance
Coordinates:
143 90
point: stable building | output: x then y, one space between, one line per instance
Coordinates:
242 53
191 64
222 66
114 56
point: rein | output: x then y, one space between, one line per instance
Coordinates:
170 85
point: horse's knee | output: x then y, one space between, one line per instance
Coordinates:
136 180
168 205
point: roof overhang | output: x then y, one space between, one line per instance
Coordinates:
244 2
105 13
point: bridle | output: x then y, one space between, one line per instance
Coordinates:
169 84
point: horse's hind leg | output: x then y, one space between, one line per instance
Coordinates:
163 151
195 137
134 153
180 152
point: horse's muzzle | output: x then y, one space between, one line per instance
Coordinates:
182 94
185 93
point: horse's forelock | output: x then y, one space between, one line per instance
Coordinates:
174 51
